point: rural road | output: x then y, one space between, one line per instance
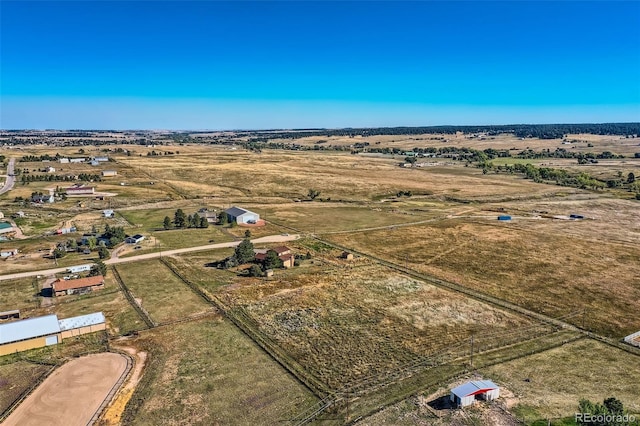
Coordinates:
11 179
267 239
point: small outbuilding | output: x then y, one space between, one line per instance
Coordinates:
8 252
135 239
576 216
346 255
504 217
465 394
108 213
107 173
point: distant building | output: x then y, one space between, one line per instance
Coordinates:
42 198
346 255
77 160
78 286
79 268
465 395
108 213
50 170
101 159
79 189
241 216
134 239
108 173
284 253
8 252
64 161
94 163
504 217
6 227
12 314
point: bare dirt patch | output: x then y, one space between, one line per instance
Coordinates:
72 394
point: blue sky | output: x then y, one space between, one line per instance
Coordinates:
293 64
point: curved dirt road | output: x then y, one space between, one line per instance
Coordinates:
72 394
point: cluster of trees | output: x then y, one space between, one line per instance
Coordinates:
85 177
404 193
115 235
610 413
181 220
313 194
34 158
154 153
562 177
98 268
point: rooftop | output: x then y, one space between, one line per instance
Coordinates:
28 328
473 387
81 321
236 211
60 285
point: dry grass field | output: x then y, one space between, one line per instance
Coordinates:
208 372
161 293
543 270
344 321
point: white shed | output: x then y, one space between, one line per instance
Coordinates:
465 394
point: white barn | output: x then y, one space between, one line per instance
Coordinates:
465 395
239 215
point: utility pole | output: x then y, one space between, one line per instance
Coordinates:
472 351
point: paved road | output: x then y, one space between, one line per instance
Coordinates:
268 239
11 179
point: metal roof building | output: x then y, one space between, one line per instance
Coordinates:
28 329
240 215
81 321
465 394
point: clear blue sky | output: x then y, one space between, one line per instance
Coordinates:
293 64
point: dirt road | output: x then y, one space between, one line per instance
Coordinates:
11 179
72 394
267 239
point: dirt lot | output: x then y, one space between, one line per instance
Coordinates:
72 394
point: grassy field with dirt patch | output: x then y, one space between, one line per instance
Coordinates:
549 272
160 292
208 372
346 323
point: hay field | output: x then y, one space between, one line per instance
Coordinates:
161 293
208 372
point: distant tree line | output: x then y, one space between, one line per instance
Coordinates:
26 178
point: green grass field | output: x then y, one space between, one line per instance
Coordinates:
161 293
207 372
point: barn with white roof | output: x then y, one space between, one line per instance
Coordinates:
466 394
38 332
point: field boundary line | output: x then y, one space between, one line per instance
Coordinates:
486 298
144 315
270 347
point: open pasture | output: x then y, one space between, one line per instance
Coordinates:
209 372
16 378
343 324
160 292
549 272
557 380
242 176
